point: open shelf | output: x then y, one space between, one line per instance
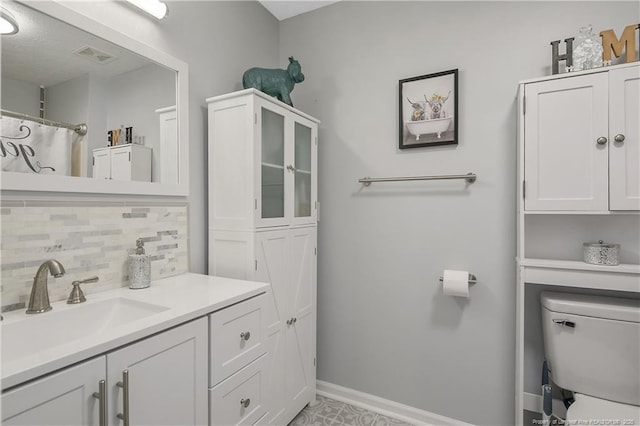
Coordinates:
568 273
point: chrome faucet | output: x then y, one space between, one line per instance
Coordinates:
39 300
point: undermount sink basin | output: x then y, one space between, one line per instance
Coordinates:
31 334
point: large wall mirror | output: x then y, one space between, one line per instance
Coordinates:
88 109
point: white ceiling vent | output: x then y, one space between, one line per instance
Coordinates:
95 55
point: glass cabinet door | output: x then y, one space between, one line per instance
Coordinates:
302 170
272 164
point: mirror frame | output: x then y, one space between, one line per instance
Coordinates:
13 181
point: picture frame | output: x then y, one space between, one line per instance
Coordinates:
428 107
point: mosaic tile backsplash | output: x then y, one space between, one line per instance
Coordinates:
88 241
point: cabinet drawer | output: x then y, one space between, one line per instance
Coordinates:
239 400
236 338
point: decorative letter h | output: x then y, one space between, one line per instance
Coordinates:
555 58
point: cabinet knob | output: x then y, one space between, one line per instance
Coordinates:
619 138
601 140
244 402
245 335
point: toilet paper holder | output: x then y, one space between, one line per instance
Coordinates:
472 279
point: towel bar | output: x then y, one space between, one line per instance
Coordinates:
469 177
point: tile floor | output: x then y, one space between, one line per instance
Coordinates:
328 412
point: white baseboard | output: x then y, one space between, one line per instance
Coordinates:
384 406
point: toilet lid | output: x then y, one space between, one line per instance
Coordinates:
602 412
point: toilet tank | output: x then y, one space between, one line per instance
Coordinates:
592 344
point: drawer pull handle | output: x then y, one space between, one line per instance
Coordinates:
124 384
245 335
619 137
601 140
245 402
101 395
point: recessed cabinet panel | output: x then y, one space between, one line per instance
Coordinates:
286 259
566 165
64 398
166 379
231 198
624 152
239 400
237 338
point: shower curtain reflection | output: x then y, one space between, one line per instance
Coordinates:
30 147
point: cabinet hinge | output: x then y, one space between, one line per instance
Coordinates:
315 251
256 264
255 204
524 188
524 105
129 157
94 161
314 361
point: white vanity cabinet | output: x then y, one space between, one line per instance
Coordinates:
263 214
128 162
62 398
581 141
237 375
578 169
162 379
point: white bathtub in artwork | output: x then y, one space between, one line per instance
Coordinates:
423 127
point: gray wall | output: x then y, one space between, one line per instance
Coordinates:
219 40
384 326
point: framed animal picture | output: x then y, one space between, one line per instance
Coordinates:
429 110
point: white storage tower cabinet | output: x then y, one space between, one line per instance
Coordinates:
578 182
263 226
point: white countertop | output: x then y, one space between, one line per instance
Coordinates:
187 297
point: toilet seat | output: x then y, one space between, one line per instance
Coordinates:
587 410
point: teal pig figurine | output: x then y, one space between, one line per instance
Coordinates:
275 82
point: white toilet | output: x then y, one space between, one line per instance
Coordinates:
592 346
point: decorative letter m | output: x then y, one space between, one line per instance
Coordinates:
610 42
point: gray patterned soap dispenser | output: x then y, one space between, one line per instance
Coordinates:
139 267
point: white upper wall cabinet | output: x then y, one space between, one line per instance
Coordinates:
581 142
263 160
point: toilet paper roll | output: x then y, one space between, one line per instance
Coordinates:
455 283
